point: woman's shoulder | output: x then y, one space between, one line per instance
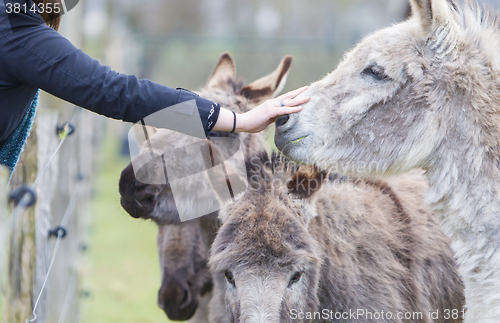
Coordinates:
16 15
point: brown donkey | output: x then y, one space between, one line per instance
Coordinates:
422 93
294 250
183 247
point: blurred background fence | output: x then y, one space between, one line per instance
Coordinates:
44 241
178 42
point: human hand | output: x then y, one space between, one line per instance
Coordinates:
262 116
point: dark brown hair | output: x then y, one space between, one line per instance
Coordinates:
51 19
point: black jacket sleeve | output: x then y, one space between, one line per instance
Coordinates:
39 56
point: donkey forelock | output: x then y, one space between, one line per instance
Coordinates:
265 205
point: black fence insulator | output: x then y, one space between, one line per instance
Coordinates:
80 177
58 232
71 128
17 196
83 247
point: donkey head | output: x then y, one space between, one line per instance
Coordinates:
403 94
156 202
264 261
183 251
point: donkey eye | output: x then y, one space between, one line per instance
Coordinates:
375 71
295 278
229 277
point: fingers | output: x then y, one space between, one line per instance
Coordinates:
295 102
292 94
285 110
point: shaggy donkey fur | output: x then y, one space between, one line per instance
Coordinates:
422 93
352 250
183 247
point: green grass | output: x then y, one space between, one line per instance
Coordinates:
121 269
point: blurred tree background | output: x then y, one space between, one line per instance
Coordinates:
177 43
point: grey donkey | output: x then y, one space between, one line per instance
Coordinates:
183 247
425 94
295 249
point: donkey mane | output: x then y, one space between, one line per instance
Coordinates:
261 169
474 14
480 25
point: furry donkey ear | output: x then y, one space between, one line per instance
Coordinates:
268 86
306 181
304 184
224 71
433 14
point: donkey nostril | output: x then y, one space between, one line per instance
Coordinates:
186 300
139 184
281 120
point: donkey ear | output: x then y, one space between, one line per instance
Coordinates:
268 86
224 71
306 181
432 14
304 184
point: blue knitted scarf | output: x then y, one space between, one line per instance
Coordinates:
13 146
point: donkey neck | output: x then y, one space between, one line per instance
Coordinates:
464 189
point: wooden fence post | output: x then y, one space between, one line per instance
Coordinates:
22 246
71 187
4 176
47 143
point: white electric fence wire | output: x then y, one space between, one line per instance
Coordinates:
54 254
70 293
67 216
63 139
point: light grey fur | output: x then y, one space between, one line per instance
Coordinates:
435 105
